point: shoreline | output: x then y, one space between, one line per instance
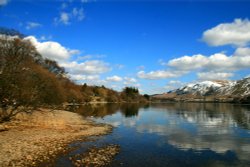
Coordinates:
30 140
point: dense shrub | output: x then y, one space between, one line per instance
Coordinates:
28 81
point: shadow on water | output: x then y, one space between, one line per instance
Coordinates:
175 134
101 110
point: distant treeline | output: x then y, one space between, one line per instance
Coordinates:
28 81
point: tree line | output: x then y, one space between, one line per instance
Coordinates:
29 81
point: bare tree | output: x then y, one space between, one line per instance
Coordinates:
22 79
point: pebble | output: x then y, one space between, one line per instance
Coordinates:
96 157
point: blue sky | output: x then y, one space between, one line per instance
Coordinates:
153 45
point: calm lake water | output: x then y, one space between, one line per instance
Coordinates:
173 135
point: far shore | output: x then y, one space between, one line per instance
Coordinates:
32 139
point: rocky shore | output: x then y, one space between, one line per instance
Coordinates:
96 156
30 140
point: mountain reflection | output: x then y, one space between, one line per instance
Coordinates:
203 127
210 113
216 127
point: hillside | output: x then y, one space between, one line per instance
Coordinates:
210 91
28 80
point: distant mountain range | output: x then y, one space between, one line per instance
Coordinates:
209 91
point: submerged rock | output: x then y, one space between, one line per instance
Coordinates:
96 156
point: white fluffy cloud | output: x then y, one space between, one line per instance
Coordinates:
82 72
243 52
55 51
235 33
3 2
85 77
114 78
87 68
160 74
130 80
188 62
214 75
31 25
52 50
217 62
216 66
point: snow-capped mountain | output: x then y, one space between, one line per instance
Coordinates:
211 91
236 88
201 88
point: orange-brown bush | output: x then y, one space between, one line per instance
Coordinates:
28 81
24 83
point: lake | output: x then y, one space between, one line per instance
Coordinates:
174 135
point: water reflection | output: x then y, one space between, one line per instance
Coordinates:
101 110
210 114
98 109
223 129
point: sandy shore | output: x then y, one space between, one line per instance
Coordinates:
31 139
